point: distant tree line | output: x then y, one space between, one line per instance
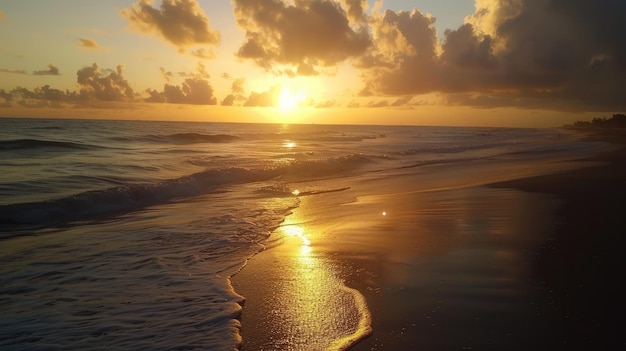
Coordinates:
617 121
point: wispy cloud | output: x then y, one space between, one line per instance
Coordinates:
88 43
14 71
51 71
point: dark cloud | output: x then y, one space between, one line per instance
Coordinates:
304 34
355 10
180 22
556 54
88 43
404 59
194 91
5 98
51 71
97 85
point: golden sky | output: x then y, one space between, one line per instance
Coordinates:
461 62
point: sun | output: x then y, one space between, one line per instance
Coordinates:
290 98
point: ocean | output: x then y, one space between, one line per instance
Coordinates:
123 235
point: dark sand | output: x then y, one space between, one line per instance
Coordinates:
583 266
529 264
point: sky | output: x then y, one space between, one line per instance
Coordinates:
438 62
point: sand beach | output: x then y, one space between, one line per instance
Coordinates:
530 262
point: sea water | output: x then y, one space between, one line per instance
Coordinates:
124 234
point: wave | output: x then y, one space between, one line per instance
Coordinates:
99 204
453 148
324 168
194 138
38 144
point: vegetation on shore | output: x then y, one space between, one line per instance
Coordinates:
617 121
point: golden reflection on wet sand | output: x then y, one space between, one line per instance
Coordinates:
306 306
322 313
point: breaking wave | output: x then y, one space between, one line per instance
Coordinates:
126 198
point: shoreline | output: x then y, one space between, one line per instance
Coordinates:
418 290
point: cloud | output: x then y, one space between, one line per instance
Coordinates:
558 54
236 93
194 91
326 104
355 10
88 43
378 104
182 23
167 75
263 99
304 34
14 71
200 72
203 54
107 85
95 84
51 71
403 59
44 96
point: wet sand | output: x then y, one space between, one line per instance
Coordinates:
532 263
582 266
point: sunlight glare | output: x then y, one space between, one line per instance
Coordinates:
297 231
289 144
290 98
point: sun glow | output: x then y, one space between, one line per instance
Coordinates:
290 98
